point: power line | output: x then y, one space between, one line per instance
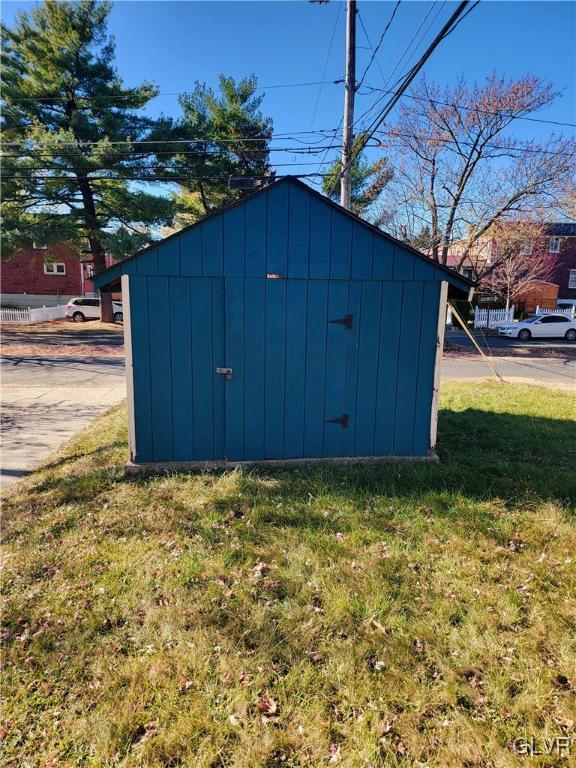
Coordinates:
157 178
490 145
48 169
375 50
385 111
322 82
207 153
405 53
461 19
392 134
200 140
477 109
120 97
322 132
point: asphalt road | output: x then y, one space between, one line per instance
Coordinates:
540 347
45 400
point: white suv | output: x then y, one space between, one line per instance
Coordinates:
85 308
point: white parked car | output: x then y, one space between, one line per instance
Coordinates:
539 327
86 308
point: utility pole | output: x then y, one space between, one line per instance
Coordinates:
349 93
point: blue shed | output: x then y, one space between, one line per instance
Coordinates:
282 327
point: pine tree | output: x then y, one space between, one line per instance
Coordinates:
368 179
230 137
73 138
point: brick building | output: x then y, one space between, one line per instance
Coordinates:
562 243
46 275
558 242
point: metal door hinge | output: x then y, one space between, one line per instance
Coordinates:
345 321
225 372
342 420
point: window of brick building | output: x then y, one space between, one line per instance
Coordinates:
572 279
554 245
54 268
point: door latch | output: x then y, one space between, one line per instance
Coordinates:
225 372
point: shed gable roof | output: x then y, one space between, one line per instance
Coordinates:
286 229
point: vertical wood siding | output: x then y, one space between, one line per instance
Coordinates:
295 370
202 300
315 384
254 357
180 313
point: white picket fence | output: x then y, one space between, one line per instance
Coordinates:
29 316
492 318
566 312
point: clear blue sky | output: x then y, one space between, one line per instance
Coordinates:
174 44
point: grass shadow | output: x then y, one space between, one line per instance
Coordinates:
483 455
517 459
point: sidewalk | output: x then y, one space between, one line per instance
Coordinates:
44 403
537 370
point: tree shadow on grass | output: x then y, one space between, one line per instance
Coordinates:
483 455
516 459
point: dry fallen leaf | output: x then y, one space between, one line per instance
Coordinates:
260 569
563 682
472 677
375 664
144 732
269 710
563 722
373 624
239 511
418 645
268 705
184 684
334 752
387 727
244 679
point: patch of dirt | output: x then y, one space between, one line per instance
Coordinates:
61 350
62 324
57 338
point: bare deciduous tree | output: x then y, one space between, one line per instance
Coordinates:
457 173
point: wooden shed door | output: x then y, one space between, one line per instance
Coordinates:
292 346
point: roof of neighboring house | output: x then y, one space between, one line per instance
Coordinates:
561 230
112 274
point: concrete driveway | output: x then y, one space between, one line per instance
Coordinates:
45 400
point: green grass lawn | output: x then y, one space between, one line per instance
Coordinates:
385 615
